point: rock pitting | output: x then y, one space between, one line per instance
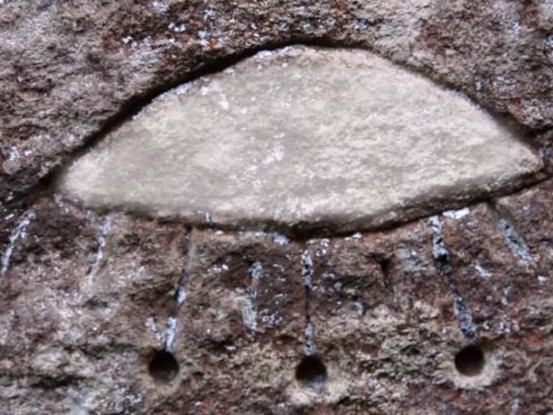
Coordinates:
340 139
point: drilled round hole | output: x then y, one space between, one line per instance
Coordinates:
163 366
470 360
311 372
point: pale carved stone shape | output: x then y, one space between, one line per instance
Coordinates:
303 138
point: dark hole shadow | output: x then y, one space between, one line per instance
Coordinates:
311 372
163 366
470 360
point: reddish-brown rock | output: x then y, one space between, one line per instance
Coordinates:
87 300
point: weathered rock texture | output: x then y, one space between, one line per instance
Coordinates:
87 300
302 137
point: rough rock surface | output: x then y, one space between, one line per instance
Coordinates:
335 139
88 300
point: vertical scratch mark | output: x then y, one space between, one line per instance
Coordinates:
307 270
249 312
103 233
18 233
514 241
441 257
307 276
182 285
179 298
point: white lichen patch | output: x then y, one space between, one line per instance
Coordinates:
177 27
13 154
280 239
151 324
316 137
160 6
457 214
170 333
482 272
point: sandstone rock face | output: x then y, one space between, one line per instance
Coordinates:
112 313
316 138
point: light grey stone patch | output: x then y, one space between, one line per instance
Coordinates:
302 138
